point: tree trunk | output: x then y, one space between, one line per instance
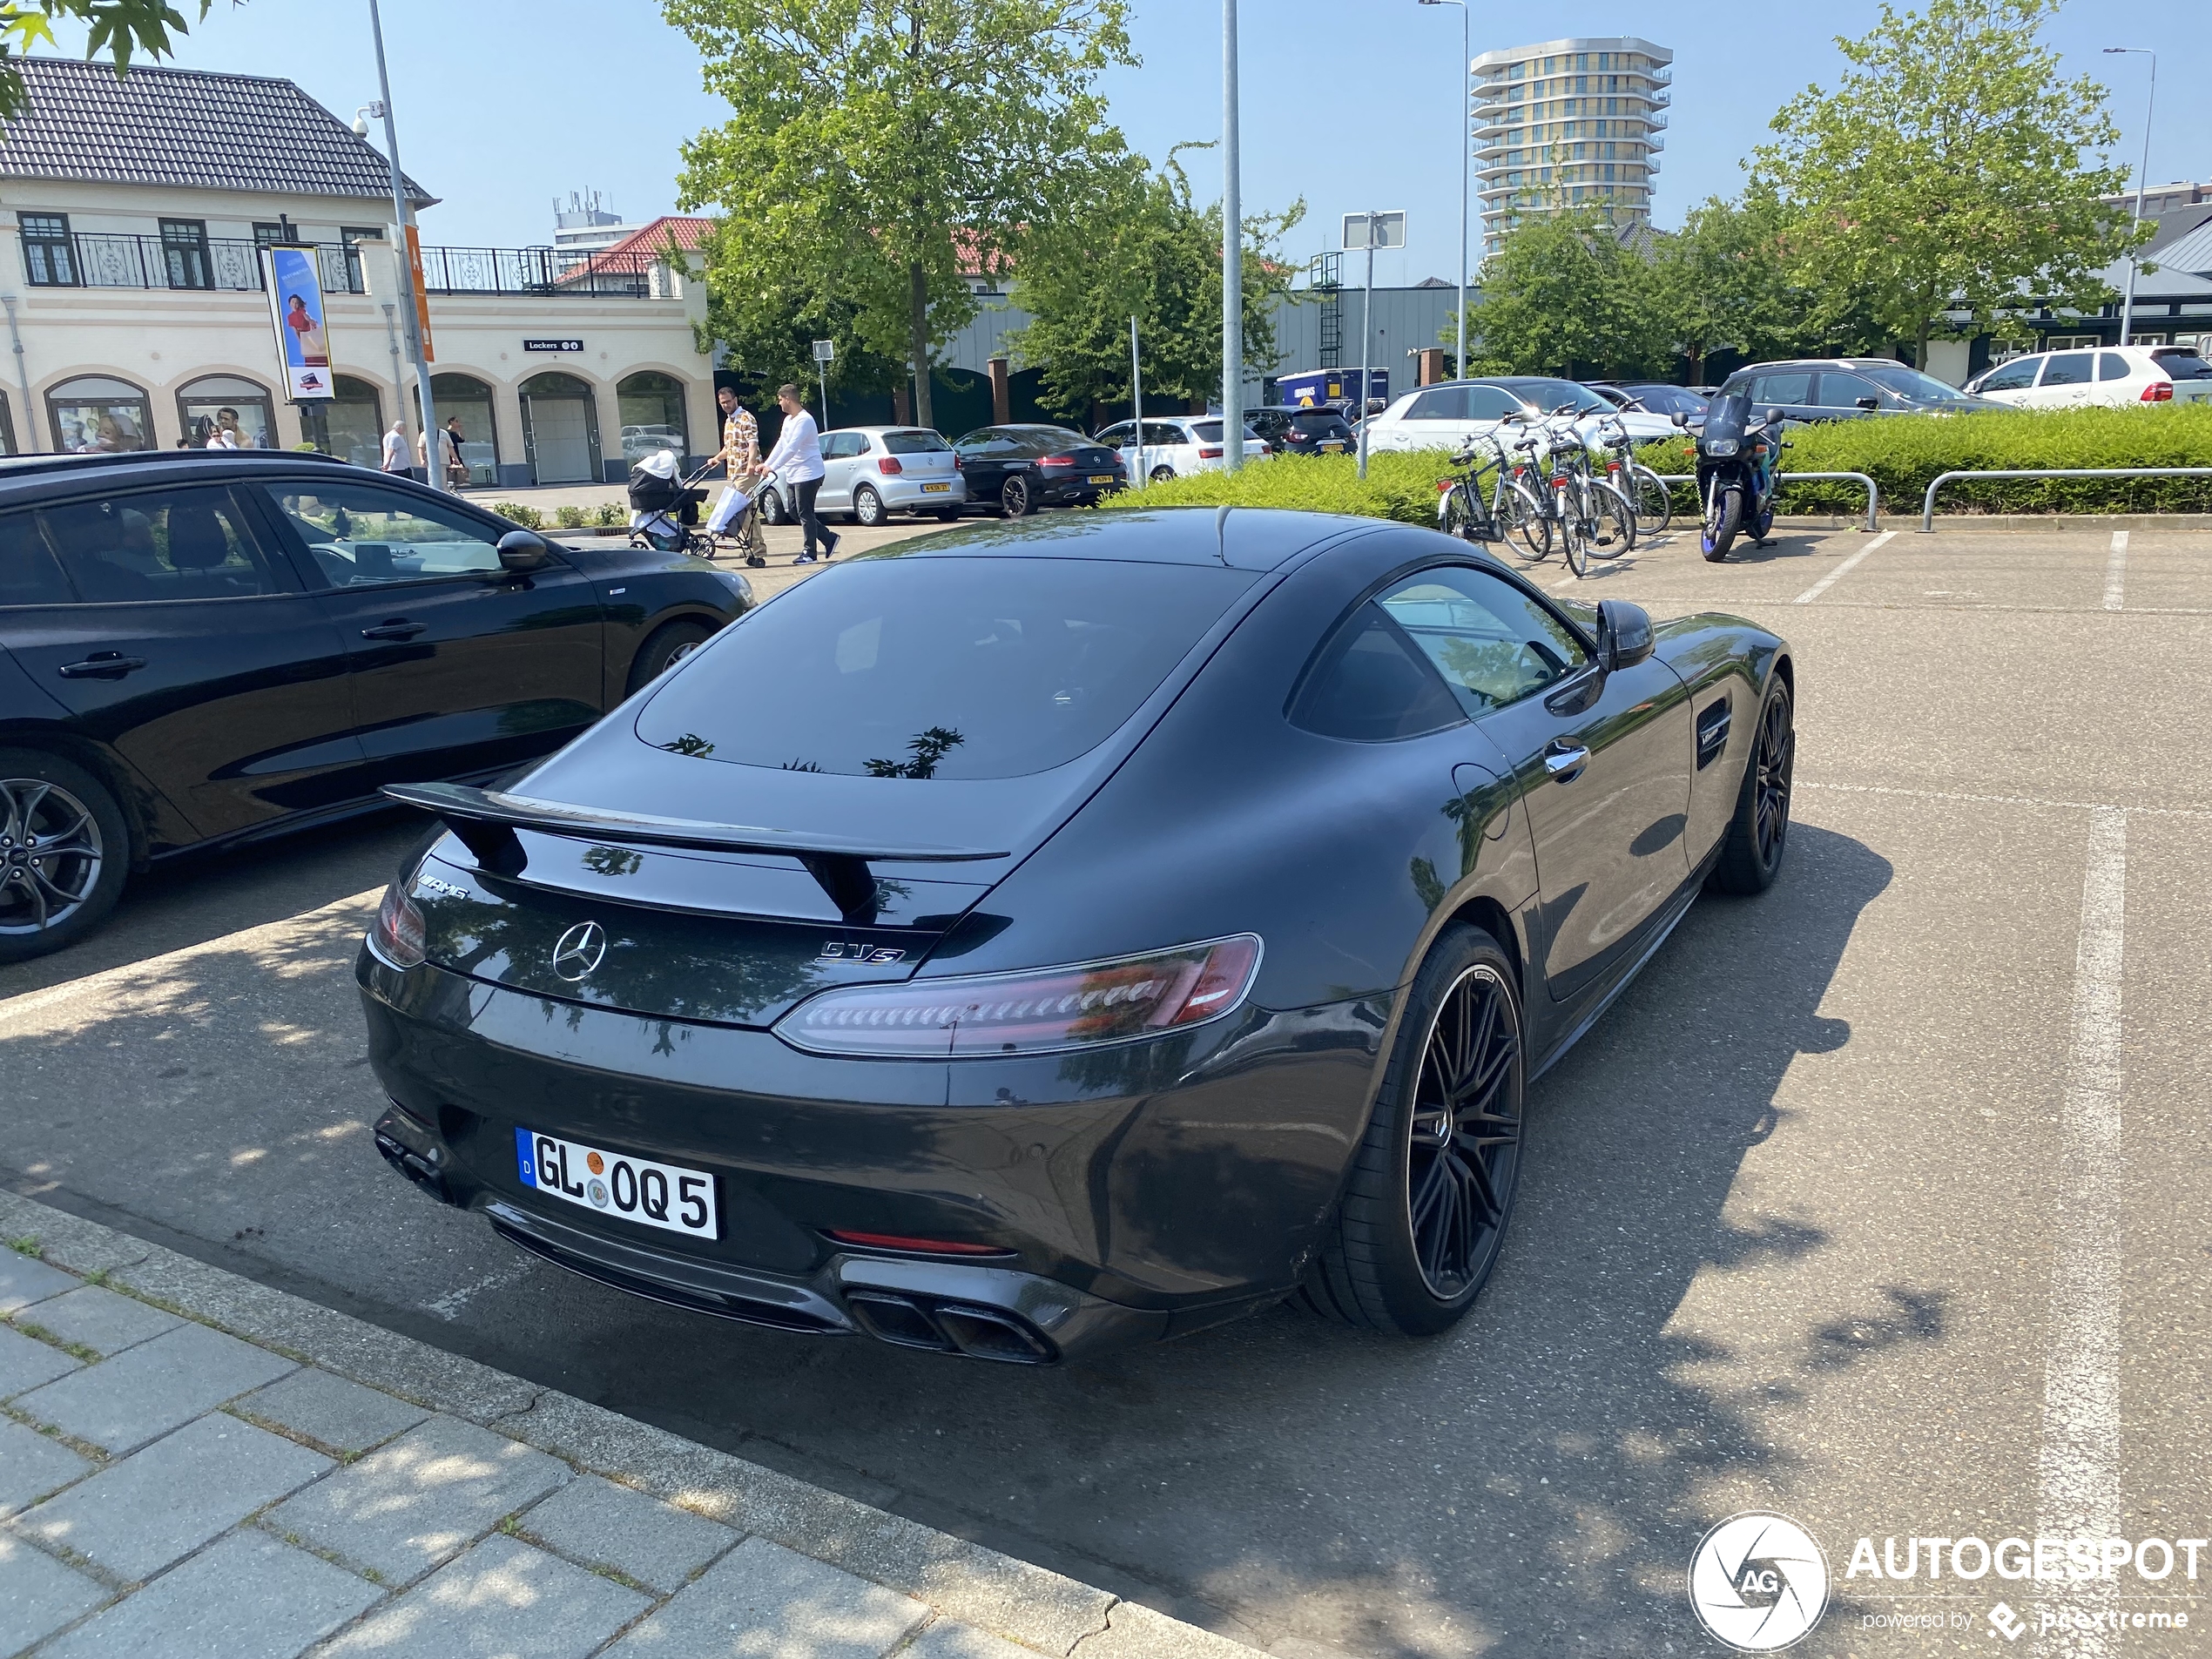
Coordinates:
1696 356
918 339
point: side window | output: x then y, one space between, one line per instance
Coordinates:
1159 435
160 544
1492 642
1370 684
29 573
365 536
1792 386
1842 391
1491 403
2111 365
2015 376
1115 436
989 446
2067 368
1441 403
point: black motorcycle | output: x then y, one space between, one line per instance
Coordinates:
1737 458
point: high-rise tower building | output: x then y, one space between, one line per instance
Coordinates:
1568 122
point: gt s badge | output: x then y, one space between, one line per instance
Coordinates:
835 951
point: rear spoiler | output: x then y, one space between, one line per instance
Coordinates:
485 820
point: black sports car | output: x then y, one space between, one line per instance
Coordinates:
1021 467
1044 937
207 648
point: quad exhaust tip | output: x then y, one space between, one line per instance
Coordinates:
950 1327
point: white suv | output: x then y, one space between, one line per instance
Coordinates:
2112 375
1175 447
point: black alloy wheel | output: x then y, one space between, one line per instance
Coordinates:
668 645
1163 473
1014 499
1426 1209
64 851
867 508
1760 829
770 508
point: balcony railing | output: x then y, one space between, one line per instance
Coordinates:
121 259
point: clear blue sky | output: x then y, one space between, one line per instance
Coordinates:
505 104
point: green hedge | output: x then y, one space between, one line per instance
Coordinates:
1399 485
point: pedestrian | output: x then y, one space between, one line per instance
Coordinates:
225 433
739 455
395 450
456 468
797 459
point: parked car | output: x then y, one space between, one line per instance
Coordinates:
1653 397
1846 389
2111 374
1303 430
203 649
1019 467
1001 944
638 442
1176 446
1456 413
871 472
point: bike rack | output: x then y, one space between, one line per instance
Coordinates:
1927 506
1873 489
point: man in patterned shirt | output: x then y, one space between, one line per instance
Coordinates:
739 455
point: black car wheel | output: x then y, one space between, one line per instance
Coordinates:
1014 499
867 508
1757 835
1162 473
1431 1186
666 647
64 851
770 508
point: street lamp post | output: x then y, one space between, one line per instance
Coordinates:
1466 148
432 460
1232 258
2143 177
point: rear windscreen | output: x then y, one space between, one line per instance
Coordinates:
944 668
2182 365
913 443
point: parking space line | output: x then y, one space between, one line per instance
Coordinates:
2117 570
2007 801
1840 572
2078 1475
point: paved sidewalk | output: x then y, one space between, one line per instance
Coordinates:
193 1466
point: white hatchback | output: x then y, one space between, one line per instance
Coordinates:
2110 376
872 472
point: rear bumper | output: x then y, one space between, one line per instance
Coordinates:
907 495
1155 1192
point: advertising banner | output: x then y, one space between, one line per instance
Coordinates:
302 335
421 293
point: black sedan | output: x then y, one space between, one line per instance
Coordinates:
1318 430
204 649
1021 467
1032 940
1849 388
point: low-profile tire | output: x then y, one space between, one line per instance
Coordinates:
771 509
65 853
1014 499
1759 832
867 508
664 647
1430 1193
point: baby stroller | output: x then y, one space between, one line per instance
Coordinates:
664 513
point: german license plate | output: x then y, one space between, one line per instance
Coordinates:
665 1196
934 489
1102 478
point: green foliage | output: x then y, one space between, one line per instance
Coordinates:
1723 283
1400 484
1946 173
26 1245
1903 453
121 30
1142 250
529 517
571 517
612 515
877 147
1563 295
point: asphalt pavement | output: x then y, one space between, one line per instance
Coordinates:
1879 1200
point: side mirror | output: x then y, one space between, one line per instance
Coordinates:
1774 417
1623 634
521 551
1870 404
1679 419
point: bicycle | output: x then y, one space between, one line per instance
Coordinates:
1591 517
1649 497
1513 511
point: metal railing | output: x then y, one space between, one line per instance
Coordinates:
1927 505
1873 489
124 259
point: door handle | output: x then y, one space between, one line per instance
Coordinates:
1565 760
394 628
103 665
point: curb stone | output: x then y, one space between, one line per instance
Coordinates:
1040 1609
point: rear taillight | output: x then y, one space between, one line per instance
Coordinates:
889 467
956 465
1038 1011
917 1246
1058 460
2159 392
1444 486
1210 454
398 934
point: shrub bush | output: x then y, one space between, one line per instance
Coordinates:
571 517
529 517
1400 485
611 515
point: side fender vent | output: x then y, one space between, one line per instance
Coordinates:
1712 733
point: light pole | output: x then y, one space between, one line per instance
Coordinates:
1232 259
1373 230
432 461
1466 147
2143 177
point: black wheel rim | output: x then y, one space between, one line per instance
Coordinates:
1465 1128
50 855
1778 752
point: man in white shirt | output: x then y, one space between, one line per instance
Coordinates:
797 460
395 450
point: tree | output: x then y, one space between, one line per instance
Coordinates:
1564 295
1946 174
121 29
879 147
1144 251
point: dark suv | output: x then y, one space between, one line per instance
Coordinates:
1319 430
207 648
1847 388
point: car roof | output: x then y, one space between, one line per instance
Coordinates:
15 469
879 430
1244 538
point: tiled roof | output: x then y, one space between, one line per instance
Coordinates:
186 128
643 249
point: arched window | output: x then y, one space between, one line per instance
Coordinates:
560 429
465 398
652 415
348 424
217 403
95 414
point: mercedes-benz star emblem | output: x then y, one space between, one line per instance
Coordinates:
579 951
